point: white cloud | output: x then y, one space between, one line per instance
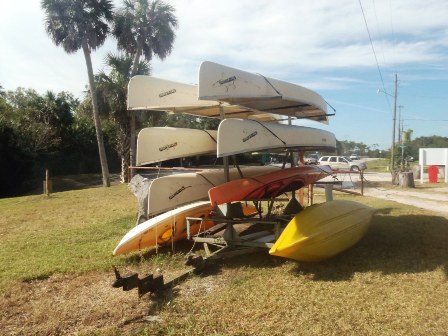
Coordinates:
321 44
276 38
303 37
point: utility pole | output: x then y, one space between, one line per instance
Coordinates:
394 125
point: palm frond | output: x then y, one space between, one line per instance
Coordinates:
147 27
70 22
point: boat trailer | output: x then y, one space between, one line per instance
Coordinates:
220 242
229 244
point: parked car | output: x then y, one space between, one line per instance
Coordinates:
311 159
354 157
343 163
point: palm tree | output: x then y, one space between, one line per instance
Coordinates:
144 28
76 24
112 89
407 135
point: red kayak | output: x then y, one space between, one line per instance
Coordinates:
267 185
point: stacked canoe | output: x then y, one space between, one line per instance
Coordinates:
253 105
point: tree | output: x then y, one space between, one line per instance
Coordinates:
35 133
112 91
41 121
407 136
82 24
144 28
434 141
406 141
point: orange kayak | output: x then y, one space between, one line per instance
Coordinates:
267 185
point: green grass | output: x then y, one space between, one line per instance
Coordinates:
382 166
379 165
69 231
55 276
392 282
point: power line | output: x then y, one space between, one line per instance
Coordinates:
371 43
427 119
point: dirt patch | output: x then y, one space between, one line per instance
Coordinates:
432 197
68 304
83 304
428 200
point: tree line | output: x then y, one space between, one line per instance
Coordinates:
56 131
69 135
410 147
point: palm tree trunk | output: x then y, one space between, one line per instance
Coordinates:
136 61
133 144
96 117
124 150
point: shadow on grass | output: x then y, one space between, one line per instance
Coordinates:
181 248
393 244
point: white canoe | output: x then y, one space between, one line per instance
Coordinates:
242 136
259 93
156 144
157 94
160 230
168 192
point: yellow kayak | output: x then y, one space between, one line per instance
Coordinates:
323 230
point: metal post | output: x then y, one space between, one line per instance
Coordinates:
328 192
133 146
225 158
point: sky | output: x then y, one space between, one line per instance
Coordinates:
348 51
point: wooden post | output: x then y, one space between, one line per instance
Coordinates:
47 183
310 194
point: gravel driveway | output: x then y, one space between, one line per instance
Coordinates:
433 198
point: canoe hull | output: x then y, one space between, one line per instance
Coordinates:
156 94
323 230
156 144
259 93
268 185
241 136
168 192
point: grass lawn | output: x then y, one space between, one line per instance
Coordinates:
55 277
66 232
380 165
